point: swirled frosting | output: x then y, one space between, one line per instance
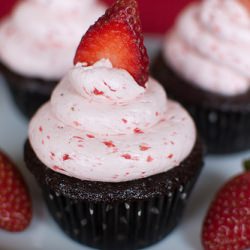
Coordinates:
100 125
209 46
40 37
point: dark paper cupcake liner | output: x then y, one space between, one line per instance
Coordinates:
122 225
222 121
28 93
127 215
224 131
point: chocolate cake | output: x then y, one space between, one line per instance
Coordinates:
128 215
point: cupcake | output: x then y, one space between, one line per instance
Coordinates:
204 64
115 159
37 43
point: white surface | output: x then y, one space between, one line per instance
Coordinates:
44 233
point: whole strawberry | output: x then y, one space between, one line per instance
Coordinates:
227 224
15 202
117 36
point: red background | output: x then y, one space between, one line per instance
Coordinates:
157 15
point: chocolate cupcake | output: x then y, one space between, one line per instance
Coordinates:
115 159
204 65
37 44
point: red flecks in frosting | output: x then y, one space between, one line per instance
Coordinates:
41 129
172 142
80 146
156 113
138 131
78 137
97 92
109 144
170 156
127 156
113 90
124 121
66 157
56 168
90 136
76 123
144 147
43 142
48 137
150 158
52 155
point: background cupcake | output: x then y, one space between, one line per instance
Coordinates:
204 64
37 44
115 159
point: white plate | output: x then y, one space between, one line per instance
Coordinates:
44 233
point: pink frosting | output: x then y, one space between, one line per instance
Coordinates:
100 125
40 37
209 46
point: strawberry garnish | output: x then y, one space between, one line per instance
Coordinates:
117 36
15 202
227 224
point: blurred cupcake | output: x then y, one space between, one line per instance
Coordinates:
205 65
116 159
37 44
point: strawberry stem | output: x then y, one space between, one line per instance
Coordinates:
246 165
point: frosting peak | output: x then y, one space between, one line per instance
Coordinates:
102 82
122 135
103 97
213 36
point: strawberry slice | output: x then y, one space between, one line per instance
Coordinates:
15 202
117 36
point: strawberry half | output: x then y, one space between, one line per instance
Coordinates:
117 36
227 224
15 202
